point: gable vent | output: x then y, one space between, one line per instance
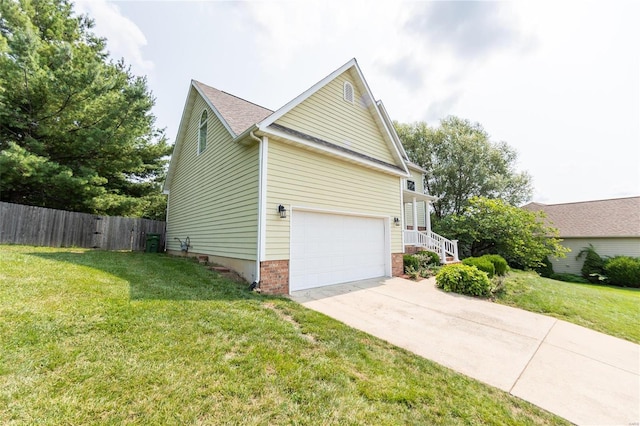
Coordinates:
348 92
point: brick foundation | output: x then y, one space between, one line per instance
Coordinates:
397 264
412 249
274 276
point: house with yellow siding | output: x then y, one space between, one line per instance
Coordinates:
318 192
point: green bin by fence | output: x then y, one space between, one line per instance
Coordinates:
153 243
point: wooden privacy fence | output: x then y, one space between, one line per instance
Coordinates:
58 228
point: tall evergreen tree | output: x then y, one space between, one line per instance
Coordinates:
76 128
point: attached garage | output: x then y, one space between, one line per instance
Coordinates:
329 249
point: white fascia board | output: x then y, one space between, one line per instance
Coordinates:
304 95
408 195
414 166
389 122
391 143
177 147
334 152
244 135
214 109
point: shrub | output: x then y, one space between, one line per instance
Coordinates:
499 263
411 262
428 258
412 272
593 266
569 278
623 271
482 264
546 270
464 279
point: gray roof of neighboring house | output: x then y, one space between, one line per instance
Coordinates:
238 113
619 217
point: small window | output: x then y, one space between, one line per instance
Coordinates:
202 133
348 92
411 185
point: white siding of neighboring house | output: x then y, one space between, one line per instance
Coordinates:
302 178
213 197
605 247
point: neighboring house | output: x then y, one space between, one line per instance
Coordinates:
611 226
315 193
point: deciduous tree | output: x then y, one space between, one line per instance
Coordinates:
462 162
492 226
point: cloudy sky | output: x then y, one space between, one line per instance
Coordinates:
557 80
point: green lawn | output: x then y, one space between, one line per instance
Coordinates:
130 338
608 309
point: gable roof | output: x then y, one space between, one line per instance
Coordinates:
378 116
618 217
235 113
240 117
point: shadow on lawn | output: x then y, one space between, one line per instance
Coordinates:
155 276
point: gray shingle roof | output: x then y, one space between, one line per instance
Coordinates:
619 217
238 113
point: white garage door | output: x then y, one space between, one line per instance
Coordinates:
330 249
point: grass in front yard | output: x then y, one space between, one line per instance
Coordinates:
611 310
130 338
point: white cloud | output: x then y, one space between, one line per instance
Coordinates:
558 81
124 38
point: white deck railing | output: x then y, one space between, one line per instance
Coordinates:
432 242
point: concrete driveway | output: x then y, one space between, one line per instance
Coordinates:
586 377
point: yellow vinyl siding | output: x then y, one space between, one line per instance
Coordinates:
301 178
327 116
213 197
416 176
605 247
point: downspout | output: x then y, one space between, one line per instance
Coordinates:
254 137
261 199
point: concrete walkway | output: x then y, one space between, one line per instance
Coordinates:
586 377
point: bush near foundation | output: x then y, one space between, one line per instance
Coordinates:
568 278
410 262
464 279
623 271
428 258
546 269
593 267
